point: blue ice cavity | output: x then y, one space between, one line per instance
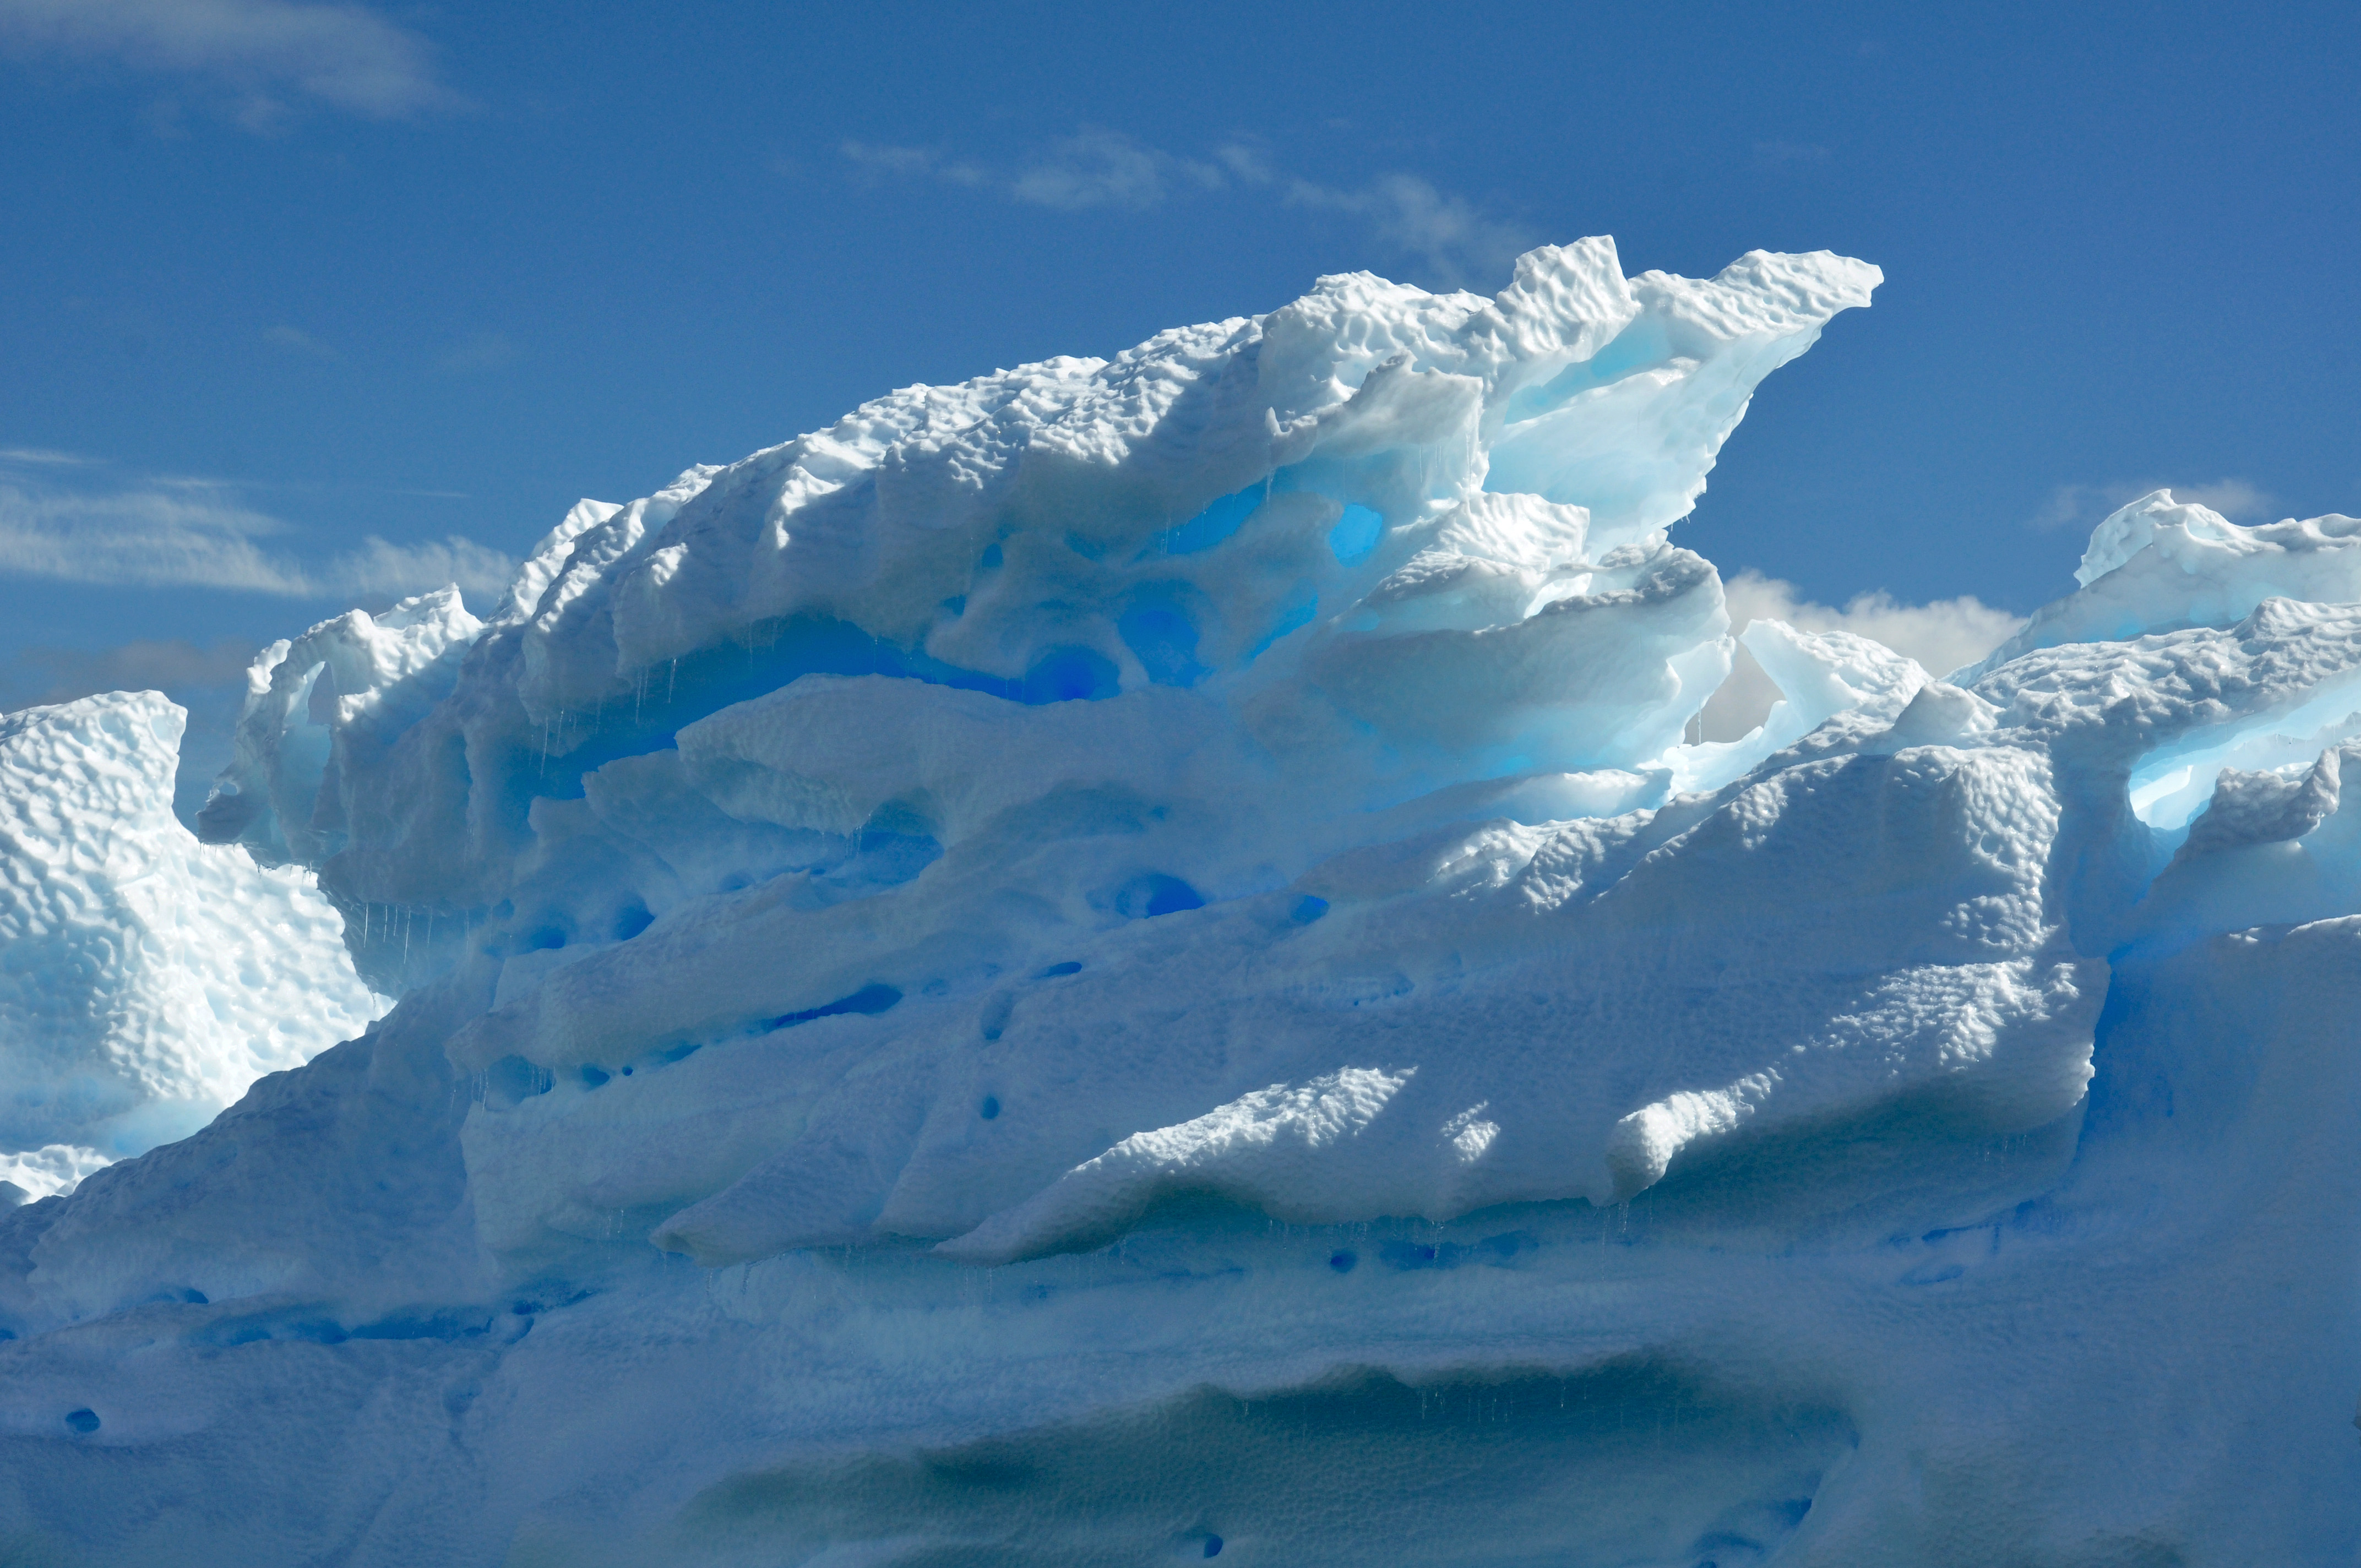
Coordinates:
1356 535
1158 893
1216 523
868 1000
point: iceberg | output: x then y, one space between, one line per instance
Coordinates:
1127 962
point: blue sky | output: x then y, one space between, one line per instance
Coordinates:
303 305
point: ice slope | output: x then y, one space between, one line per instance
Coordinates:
146 978
1122 962
2158 564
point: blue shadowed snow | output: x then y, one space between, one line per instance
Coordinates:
1624 1462
512 1080
1161 633
1495 1251
1070 674
775 654
1298 611
1640 346
1356 535
990 1108
84 1421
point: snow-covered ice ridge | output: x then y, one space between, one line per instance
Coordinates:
1125 962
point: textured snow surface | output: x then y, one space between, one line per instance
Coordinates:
1124 962
145 978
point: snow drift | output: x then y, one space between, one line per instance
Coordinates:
1124 960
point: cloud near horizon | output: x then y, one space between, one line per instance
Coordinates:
194 533
1097 169
2085 506
343 56
1942 636
49 675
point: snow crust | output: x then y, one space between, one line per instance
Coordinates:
1125 962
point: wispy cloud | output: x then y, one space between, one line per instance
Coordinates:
878 159
1789 154
1449 234
294 340
2084 507
1107 169
1450 237
484 351
43 674
154 532
343 56
1941 636
379 569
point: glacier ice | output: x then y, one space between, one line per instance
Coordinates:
1126 961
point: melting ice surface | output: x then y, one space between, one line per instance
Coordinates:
1124 963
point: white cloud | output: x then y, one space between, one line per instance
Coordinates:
382 570
192 533
880 160
1448 234
1107 169
2083 506
1942 636
345 55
